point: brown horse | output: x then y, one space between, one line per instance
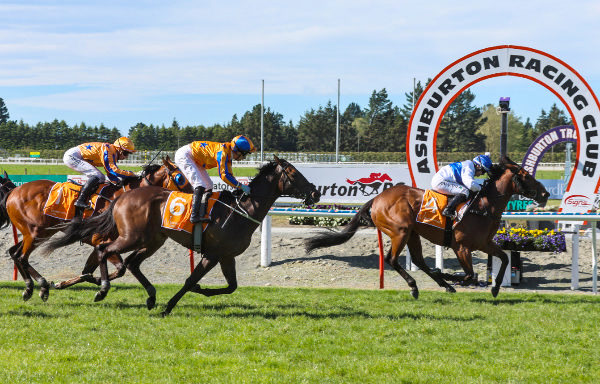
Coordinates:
395 210
24 207
137 217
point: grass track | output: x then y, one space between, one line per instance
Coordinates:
285 335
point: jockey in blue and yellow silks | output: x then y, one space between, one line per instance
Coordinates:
195 158
86 157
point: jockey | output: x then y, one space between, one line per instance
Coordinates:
458 179
86 157
195 158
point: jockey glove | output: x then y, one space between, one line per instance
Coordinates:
244 188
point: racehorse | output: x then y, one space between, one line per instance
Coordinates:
395 210
137 217
24 207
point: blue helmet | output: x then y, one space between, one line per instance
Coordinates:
242 144
484 162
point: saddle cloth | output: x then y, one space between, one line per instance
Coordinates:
178 209
431 209
61 198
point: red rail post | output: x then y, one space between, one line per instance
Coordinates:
381 262
16 241
191 261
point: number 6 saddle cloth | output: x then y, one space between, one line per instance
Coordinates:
431 209
178 209
61 198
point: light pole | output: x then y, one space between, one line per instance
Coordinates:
503 109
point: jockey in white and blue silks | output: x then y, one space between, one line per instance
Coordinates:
458 179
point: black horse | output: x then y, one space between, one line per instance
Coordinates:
137 217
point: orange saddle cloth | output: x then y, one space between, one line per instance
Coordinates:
431 209
178 209
61 198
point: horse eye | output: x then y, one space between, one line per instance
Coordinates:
179 179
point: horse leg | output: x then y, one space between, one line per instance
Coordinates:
228 269
133 263
464 256
14 252
21 257
398 243
416 254
203 267
89 268
504 260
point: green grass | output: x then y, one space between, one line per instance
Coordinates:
286 335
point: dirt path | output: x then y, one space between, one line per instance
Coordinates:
352 265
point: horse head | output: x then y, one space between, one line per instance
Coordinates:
293 183
168 176
524 184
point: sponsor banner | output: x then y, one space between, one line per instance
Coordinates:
341 185
22 179
508 60
537 149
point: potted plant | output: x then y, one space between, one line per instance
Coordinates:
541 240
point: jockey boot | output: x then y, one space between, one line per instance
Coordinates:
198 209
86 192
450 210
204 205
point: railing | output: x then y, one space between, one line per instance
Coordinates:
575 217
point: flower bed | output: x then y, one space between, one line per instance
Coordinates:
520 239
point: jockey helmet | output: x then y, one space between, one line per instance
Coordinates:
243 145
484 162
125 144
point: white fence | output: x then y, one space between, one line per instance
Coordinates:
542 216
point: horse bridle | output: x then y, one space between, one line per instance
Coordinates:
532 194
291 180
171 177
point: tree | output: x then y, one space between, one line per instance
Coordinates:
382 117
4 116
459 129
517 138
316 129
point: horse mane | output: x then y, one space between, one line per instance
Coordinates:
151 168
267 169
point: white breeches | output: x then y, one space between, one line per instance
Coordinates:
73 159
197 176
440 185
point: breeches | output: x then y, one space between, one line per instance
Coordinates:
197 176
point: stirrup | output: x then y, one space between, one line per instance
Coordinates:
448 214
82 205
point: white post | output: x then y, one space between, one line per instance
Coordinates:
575 258
265 242
506 280
439 258
594 261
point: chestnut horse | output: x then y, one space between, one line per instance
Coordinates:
395 210
24 207
137 217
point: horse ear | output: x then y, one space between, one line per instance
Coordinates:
276 159
167 159
5 175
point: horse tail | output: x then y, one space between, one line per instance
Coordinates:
4 218
330 238
77 230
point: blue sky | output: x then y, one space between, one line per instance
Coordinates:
200 62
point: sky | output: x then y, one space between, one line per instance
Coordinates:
119 63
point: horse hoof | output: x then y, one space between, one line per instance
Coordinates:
495 291
165 314
27 295
44 294
151 303
415 292
99 296
450 289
